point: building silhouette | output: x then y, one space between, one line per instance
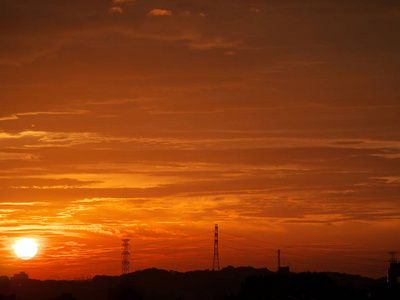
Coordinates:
394 269
20 277
282 270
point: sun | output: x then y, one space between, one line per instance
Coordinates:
25 248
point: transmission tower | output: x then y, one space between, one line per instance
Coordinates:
125 256
216 256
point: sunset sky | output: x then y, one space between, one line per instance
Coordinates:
154 120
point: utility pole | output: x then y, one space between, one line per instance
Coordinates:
279 259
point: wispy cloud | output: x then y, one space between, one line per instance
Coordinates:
38 113
115 10
254 9
205 44
123 1
159 12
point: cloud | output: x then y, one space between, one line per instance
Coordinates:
15 156
33 139
42 183
18 58
159 12
36 113
185 13
213 43
123 1
115 10
254 9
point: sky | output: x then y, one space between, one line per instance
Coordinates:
153 120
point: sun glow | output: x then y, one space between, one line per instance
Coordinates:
25 248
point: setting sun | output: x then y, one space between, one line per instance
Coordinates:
25 248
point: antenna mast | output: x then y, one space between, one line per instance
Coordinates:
279 259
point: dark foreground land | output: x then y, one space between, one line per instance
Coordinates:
228 284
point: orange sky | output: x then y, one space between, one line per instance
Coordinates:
154 120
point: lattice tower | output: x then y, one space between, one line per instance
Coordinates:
216 256
125 256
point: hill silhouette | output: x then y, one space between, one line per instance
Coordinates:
228 284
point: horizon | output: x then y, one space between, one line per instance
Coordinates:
297 262
82 277
154 120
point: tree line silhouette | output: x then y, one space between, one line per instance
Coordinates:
242 283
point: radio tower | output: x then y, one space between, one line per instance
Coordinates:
125 256
216 256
